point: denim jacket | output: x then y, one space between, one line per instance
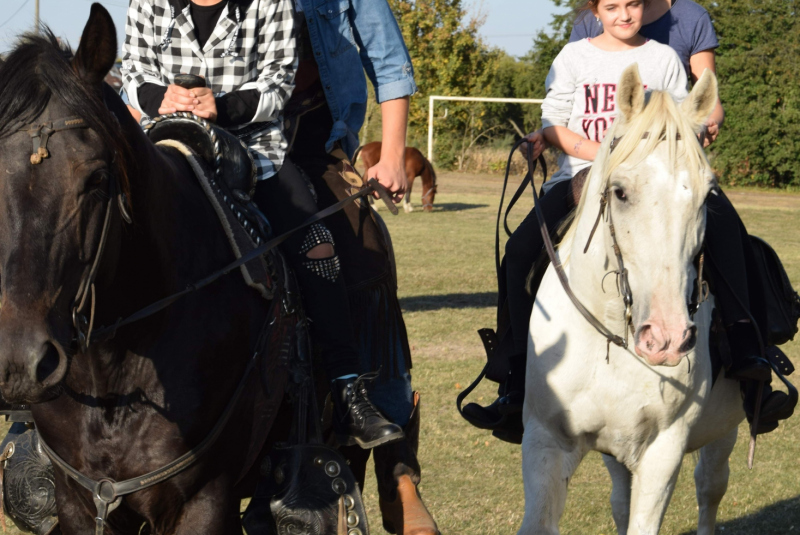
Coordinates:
348 38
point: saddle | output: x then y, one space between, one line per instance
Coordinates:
218 148
227 174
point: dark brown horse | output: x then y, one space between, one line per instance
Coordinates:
119 406
416 165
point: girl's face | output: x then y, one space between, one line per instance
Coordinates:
622 19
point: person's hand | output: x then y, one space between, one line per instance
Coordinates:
177 99
392 176
709 133
207 106
537 140
200 101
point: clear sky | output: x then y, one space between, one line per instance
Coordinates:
510 24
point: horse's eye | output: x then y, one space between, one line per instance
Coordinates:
98 178
620 193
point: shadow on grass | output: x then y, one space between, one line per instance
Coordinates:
776 519
456 206
424 303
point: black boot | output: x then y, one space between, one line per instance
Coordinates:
747 365
505 413
495 415
356 420
775 405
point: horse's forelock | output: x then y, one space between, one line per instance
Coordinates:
662 122
37 69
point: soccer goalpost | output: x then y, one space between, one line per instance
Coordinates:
434 98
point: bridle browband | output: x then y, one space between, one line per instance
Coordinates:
40 135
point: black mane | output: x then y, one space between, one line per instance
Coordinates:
37 69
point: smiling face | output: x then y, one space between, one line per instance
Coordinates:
621 19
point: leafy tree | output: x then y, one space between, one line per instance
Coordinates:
758 62
450 59
447 54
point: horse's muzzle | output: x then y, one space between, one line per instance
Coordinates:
662 346
31 363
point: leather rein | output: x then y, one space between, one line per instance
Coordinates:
107 493
623 285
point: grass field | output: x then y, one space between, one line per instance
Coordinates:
471 481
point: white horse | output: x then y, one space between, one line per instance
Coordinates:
646 406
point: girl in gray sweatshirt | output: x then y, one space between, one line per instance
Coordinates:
581 91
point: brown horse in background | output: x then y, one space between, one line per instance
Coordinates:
416 165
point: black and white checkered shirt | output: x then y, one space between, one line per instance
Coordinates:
252 47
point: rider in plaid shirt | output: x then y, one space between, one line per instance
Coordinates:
245 50
251 49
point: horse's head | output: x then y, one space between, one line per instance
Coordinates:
60 157
429 184
656 179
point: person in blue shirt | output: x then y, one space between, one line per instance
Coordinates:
341 44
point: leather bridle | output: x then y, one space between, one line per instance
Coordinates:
86 290
621 272
40 135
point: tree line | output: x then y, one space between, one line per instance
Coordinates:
758 65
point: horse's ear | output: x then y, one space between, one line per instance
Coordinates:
630 95
702 100
98 49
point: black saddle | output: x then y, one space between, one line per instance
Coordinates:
221 150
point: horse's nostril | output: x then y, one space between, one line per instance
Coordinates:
48 364
690 340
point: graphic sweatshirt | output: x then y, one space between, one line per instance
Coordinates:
582 85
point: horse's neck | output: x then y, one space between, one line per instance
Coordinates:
173 226
177 217
175 239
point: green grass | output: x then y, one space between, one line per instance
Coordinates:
471 481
